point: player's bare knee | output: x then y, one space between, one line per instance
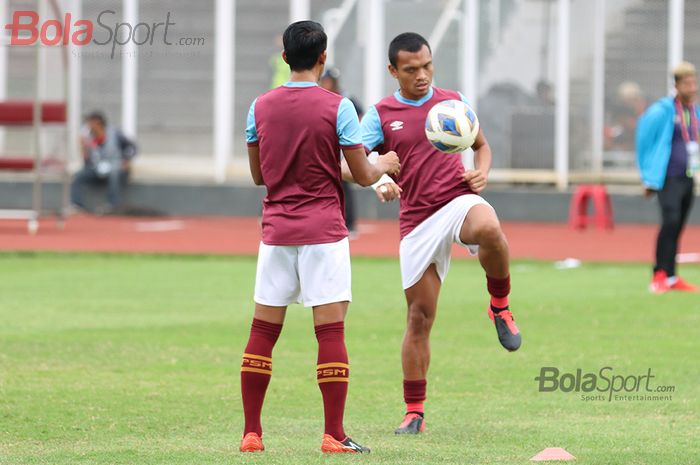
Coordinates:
420 319
490 235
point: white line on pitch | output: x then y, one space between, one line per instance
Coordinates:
688 257
160 226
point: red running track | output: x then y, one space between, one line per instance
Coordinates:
240 236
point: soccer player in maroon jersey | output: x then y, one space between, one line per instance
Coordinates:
294 134
440 205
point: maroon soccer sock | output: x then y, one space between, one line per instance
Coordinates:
499 288
414 395
332 373
256 370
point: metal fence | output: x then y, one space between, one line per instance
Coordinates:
558 84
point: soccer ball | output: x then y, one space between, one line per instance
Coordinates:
451 126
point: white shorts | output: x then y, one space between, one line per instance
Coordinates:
431 241
316 274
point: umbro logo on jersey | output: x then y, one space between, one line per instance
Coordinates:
396 125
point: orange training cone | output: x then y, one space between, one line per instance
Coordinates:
552 454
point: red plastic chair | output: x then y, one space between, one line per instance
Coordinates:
602 207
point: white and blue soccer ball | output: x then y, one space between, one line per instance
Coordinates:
451 126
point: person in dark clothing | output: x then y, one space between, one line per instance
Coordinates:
668 158
107 155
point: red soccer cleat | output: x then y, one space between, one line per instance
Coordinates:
413 423
330 445
682 285
251 442
659 283
508 332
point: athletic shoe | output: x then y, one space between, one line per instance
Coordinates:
659 283
682 285
330 445
508 333
252 443
413 423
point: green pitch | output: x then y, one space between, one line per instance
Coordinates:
134 359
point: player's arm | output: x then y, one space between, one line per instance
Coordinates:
254 161
373 136
345 172
478 177
356 167
385 187
364 173
251 137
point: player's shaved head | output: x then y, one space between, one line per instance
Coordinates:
304 42
407 41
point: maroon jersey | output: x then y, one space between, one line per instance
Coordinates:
300 129
429 178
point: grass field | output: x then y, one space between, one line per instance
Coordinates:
134 359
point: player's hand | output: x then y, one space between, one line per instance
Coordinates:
475 179
389 163
388 192
649 193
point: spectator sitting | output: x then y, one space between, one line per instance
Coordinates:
107 155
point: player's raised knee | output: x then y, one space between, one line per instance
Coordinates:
490 233
420 318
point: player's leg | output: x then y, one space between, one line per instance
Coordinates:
667 239
256 371
324 273
677 283
333 374
422 300
481 227
332 369
276 286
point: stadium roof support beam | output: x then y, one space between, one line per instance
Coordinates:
561 130
374 51
469 50
299 10
130 74
224 78
334 20
598 94
449 13
676 29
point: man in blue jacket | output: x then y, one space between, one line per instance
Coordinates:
668 157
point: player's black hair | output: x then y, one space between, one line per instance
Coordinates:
304 42
408 42
97 116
